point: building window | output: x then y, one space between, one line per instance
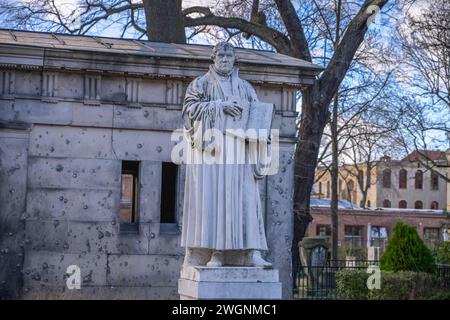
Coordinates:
328 189
386 203
378 237
129 199
418 204
386 178
434 205
418 179
402 204
323 230
403 179
169 182
368 203
353 236
434 181
340 186
320 190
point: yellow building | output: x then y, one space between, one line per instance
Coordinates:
407 183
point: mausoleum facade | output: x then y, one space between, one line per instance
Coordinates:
86 177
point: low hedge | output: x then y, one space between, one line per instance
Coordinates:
352 284
401 285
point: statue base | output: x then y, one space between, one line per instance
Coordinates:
201 282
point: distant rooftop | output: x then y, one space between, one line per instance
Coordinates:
142 47
433 155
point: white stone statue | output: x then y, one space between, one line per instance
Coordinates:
223 221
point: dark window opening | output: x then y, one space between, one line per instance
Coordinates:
419 179
323 230
402 179
402 204
169 192
418 204
434 181
434 205
129 199
386 178
386 203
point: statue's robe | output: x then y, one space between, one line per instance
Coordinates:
222 207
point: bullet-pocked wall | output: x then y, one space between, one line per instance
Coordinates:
85 163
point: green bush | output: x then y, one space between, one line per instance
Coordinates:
352 284
405 285
407 252
440 296
402 285
443 253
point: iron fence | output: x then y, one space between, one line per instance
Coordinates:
319 282
443 272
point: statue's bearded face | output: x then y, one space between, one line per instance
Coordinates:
224 60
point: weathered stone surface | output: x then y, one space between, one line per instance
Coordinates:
28 83
157 117
153 91
150 191
189 289
74 173
73 204
143 270
70 142
279 218
45 268
85 237
46 235
37 111
95 116
13 167
105 238
70 85
142 145
113 89
164 243
224 274
101 293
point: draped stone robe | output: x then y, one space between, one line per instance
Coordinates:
222 208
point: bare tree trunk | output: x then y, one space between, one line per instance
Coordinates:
313 119
335 148
334 181
164 21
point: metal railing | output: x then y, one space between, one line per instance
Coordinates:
319 282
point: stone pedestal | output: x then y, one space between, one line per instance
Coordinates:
198 283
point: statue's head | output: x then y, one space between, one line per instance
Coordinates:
224 57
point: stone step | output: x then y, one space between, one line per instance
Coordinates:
226 274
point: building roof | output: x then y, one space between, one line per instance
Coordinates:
431 155
143 48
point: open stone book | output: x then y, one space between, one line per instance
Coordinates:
254 123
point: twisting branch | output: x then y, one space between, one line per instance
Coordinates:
275 38
203 10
